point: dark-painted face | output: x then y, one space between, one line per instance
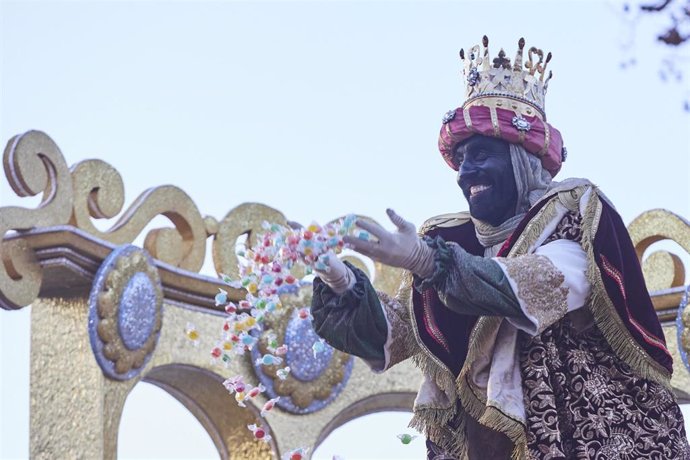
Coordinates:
486 178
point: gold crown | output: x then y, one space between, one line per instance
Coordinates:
498 84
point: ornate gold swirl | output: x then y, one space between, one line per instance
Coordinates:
99 193
662 269
33 164
245 219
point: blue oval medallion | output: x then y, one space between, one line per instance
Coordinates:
137 312
304 367
299 337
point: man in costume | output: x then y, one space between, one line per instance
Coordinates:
528 316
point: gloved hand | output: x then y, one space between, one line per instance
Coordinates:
403 248
338 277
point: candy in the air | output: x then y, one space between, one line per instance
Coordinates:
406 438
254 392
192 333
221 297
259 432
362 235
216 353
269 360
247 340
230 308
304 313
283 373
281 350
242 396
235 384
297 454
318 347
271 341
269 405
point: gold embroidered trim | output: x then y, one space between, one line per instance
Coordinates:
474 400
604 312
468 119
400 347
494 122
547 141
540 287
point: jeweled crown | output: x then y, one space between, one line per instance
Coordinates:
497 83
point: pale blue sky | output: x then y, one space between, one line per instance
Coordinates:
317 109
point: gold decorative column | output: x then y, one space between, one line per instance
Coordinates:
75 409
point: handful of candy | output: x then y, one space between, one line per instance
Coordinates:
265 273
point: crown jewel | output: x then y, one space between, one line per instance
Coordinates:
497 83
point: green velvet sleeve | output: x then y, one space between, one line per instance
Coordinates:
469 284
352 322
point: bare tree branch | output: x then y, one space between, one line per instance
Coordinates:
656 8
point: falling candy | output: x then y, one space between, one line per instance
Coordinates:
283 373
318 347
265 273
247 340
406 438
192 334
297 454
269 360
242 396
304 313
230 308
362 235
269 405
216 354
271 341
281 350
234 384
259 432
221 297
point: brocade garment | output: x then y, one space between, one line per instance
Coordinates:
550 350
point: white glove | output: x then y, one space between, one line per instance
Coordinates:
338 277
404 248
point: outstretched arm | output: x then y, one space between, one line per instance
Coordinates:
355 318
532 291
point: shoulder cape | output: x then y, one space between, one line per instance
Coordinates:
620 303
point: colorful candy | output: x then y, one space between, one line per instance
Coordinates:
406 438
242 396
259 432
221 297
304 313
281 350
296 454
235 384
192 334
283 373
318 347
269 406
269 360
266 273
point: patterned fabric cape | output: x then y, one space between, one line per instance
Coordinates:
619 303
